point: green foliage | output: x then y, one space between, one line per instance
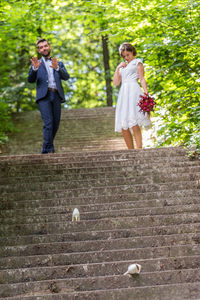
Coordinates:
6 125
174 59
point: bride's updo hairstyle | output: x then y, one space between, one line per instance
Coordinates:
127 47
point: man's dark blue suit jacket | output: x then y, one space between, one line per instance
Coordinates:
41 78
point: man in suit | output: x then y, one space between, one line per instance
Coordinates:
48 73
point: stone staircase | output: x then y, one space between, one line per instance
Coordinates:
140 206
80 130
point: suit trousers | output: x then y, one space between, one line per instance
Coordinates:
50 109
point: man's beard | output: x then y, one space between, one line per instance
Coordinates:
46 55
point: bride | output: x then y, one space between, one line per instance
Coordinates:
128 115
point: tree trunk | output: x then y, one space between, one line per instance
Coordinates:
21 62
107 70
39 32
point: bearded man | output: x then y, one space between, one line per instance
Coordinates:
48 73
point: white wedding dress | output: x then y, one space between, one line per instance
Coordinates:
127 113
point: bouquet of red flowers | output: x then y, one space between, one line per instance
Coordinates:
146 103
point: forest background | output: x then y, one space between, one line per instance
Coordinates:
86 35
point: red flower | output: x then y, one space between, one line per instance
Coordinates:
146 103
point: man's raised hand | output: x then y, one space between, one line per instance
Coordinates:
54 63
35 62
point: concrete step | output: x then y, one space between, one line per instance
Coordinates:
61 206
179 291
142 158
92 167
102 224
96 269
105 168
89 146
100 256
104 282
126 170
135 207
99 156
59 198
99 173
90 191
96 173
65 213
100 234
62 172
105 181
86 113
85 246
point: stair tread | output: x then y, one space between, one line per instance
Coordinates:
102 282
181 291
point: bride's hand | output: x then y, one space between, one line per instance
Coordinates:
122 65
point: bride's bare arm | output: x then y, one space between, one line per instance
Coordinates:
140 70
117 76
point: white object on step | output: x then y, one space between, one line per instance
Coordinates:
76 215
133 269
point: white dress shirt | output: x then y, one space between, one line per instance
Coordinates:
51 79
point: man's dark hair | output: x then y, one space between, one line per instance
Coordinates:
41 40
